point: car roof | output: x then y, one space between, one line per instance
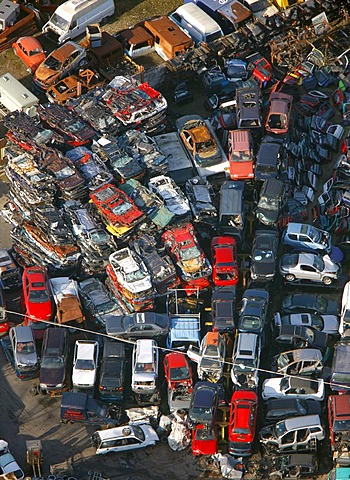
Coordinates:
304 421
24 333
113 348
85 348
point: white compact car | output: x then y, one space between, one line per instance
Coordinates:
309 266
85 363
125 438
144 367
323 323
293 387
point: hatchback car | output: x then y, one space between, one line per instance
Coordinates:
177 371
30 51
309 267
309 302
204 403
243 416
307 238
224 261
123 439
60 63
253 313
264 256
85 364
210 358
24 350
204 441
37 303
292 387
324 323
112 372
281 408
246 361
145 358
268 160
300 337
223 303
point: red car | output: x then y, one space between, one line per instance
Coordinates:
277 120
37 303
241 430
177 371
204 441
194 268
262 72
30 51
224 256
117 210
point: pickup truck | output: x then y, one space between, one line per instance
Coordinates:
184 331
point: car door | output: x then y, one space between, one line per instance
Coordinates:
308 272
287 441
303 437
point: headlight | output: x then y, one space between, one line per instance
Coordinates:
59 385
253 275
43 386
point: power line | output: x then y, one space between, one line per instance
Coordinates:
171 350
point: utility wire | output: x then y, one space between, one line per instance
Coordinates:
170 350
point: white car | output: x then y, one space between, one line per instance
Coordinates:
309 266
210 358
293 387
85 363
122 439
323 323
8 464
170 193
345 309
144 375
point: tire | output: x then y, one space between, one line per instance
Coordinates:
290 277
326 281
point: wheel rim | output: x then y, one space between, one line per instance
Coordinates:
290 278
327 280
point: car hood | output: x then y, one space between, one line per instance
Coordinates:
144 377
267 216
28 360
263 268
46 75
331 324
149 432
192 265
42 311
52 376
83 377
271 387
329 266
140 286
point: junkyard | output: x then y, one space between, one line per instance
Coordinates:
174 255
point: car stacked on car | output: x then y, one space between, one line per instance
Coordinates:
185 278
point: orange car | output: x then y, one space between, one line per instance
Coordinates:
29 50
67 88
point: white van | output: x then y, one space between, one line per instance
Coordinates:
196 23
15 96
72 17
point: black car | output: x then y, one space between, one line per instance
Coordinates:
200 195
309 302
54 359
223 302
264 255
268 160
112 372
160 267
138 325
97 303
182 94
203 405
292 466
252 316
299 337
280 408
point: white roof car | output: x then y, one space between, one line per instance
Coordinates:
345 309
122 439
293 387
8 464
309 266
171 194
246 360
324 323
130 271
144 367
85 363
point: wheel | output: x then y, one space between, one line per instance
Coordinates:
290 277
326 280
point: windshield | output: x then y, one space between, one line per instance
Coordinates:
249 322
59 22
25 347
189 253
144 367
268 203
318 264
138 432
341 426
280 428
245 365
121 208
179 373
202 414
134 276
38 296
317 321
84 365
341 378
266 256
65 172
52 362
106 307
99 236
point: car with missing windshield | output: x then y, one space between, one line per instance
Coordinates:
172 196
293 387
264 256
278 117
293 466
309 267
270 202
301 361
210 358
246 361
200 194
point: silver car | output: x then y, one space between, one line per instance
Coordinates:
309 266
24 350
